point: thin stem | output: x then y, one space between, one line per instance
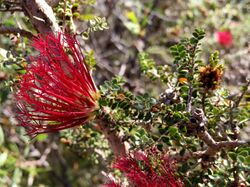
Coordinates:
236 174
203 101
190 81
14 30
242 94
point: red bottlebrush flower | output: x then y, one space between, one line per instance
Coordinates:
148 170
224 38
57 91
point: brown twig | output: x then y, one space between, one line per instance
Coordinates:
190 82
42 161
106 127
12 9
114 140
235 129
213 147
242 95
53 3
14 30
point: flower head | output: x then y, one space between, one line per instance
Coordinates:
224 38
150 169
57 91
210 77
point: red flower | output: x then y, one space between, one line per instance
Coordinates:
224 38
151 170
57 91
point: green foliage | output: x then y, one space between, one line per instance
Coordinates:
12 65
90 59
132 23
95 24
89 2
152 71
185 55
166 121
148 66
214 59
87 140
143 118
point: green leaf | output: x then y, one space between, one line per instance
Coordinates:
9 22
11 161
180 47
166 140
182 151
147 66
4 94
243 153
141 115
248 179
89 2
23 71
214 59
247 160
134 28
173 49
3 158
102 102
147 116
1 136
199 34
240 158
41 137
184 168
172 131
178 115
232 155
180 107
194 40
95 24
132 17
160 147
85 35
90 59
17 177
3 173
141 132
184 89
196 35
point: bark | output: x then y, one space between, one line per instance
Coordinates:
40 15
53 3
112 136
14 30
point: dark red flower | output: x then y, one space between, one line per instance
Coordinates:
148 170
224 38
57 91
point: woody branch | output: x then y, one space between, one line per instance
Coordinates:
213 147
106 126
14 30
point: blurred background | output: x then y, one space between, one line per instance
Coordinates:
112 34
